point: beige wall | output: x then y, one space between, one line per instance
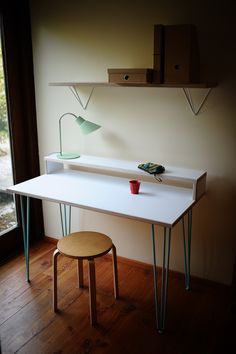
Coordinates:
78 41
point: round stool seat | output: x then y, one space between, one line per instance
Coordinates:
84 244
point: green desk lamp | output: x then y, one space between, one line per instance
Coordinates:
86 127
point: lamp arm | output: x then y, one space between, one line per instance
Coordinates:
60 139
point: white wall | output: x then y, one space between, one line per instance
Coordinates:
78 41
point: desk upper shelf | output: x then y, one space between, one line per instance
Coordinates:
195 178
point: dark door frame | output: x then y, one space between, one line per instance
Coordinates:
18 66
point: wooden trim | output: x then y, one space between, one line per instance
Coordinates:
149 267
174 273
51 239
133 263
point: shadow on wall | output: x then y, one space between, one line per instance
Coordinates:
218 45
115 142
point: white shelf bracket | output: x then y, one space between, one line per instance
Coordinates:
188 96
75 92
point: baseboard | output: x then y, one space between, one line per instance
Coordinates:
149 267
172 273
51 239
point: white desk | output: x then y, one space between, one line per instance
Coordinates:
89 188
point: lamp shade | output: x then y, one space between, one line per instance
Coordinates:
86 127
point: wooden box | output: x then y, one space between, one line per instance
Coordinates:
130 76
181 54
158 55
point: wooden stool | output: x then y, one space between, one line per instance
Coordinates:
85 245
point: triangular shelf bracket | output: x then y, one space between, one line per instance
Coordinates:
75 91
188 96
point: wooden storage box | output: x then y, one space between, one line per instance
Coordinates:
158 55
181 54
130 76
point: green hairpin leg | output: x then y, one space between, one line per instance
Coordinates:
167 279
160 310
164 280
62 222
65 219
155 275
25 228
163 274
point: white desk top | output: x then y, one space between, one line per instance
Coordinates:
156 203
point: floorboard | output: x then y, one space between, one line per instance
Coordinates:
198 321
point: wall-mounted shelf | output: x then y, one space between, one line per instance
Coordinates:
97 84
185 87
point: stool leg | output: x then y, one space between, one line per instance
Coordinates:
115 272
54 262
92 292
80 273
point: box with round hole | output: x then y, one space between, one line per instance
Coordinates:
130 76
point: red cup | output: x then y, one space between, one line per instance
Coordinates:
134 186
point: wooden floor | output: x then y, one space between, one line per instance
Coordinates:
198 321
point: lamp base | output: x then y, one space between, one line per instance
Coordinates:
67 155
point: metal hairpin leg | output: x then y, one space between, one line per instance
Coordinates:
155 275
187 255
65 218
160 308
25 219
